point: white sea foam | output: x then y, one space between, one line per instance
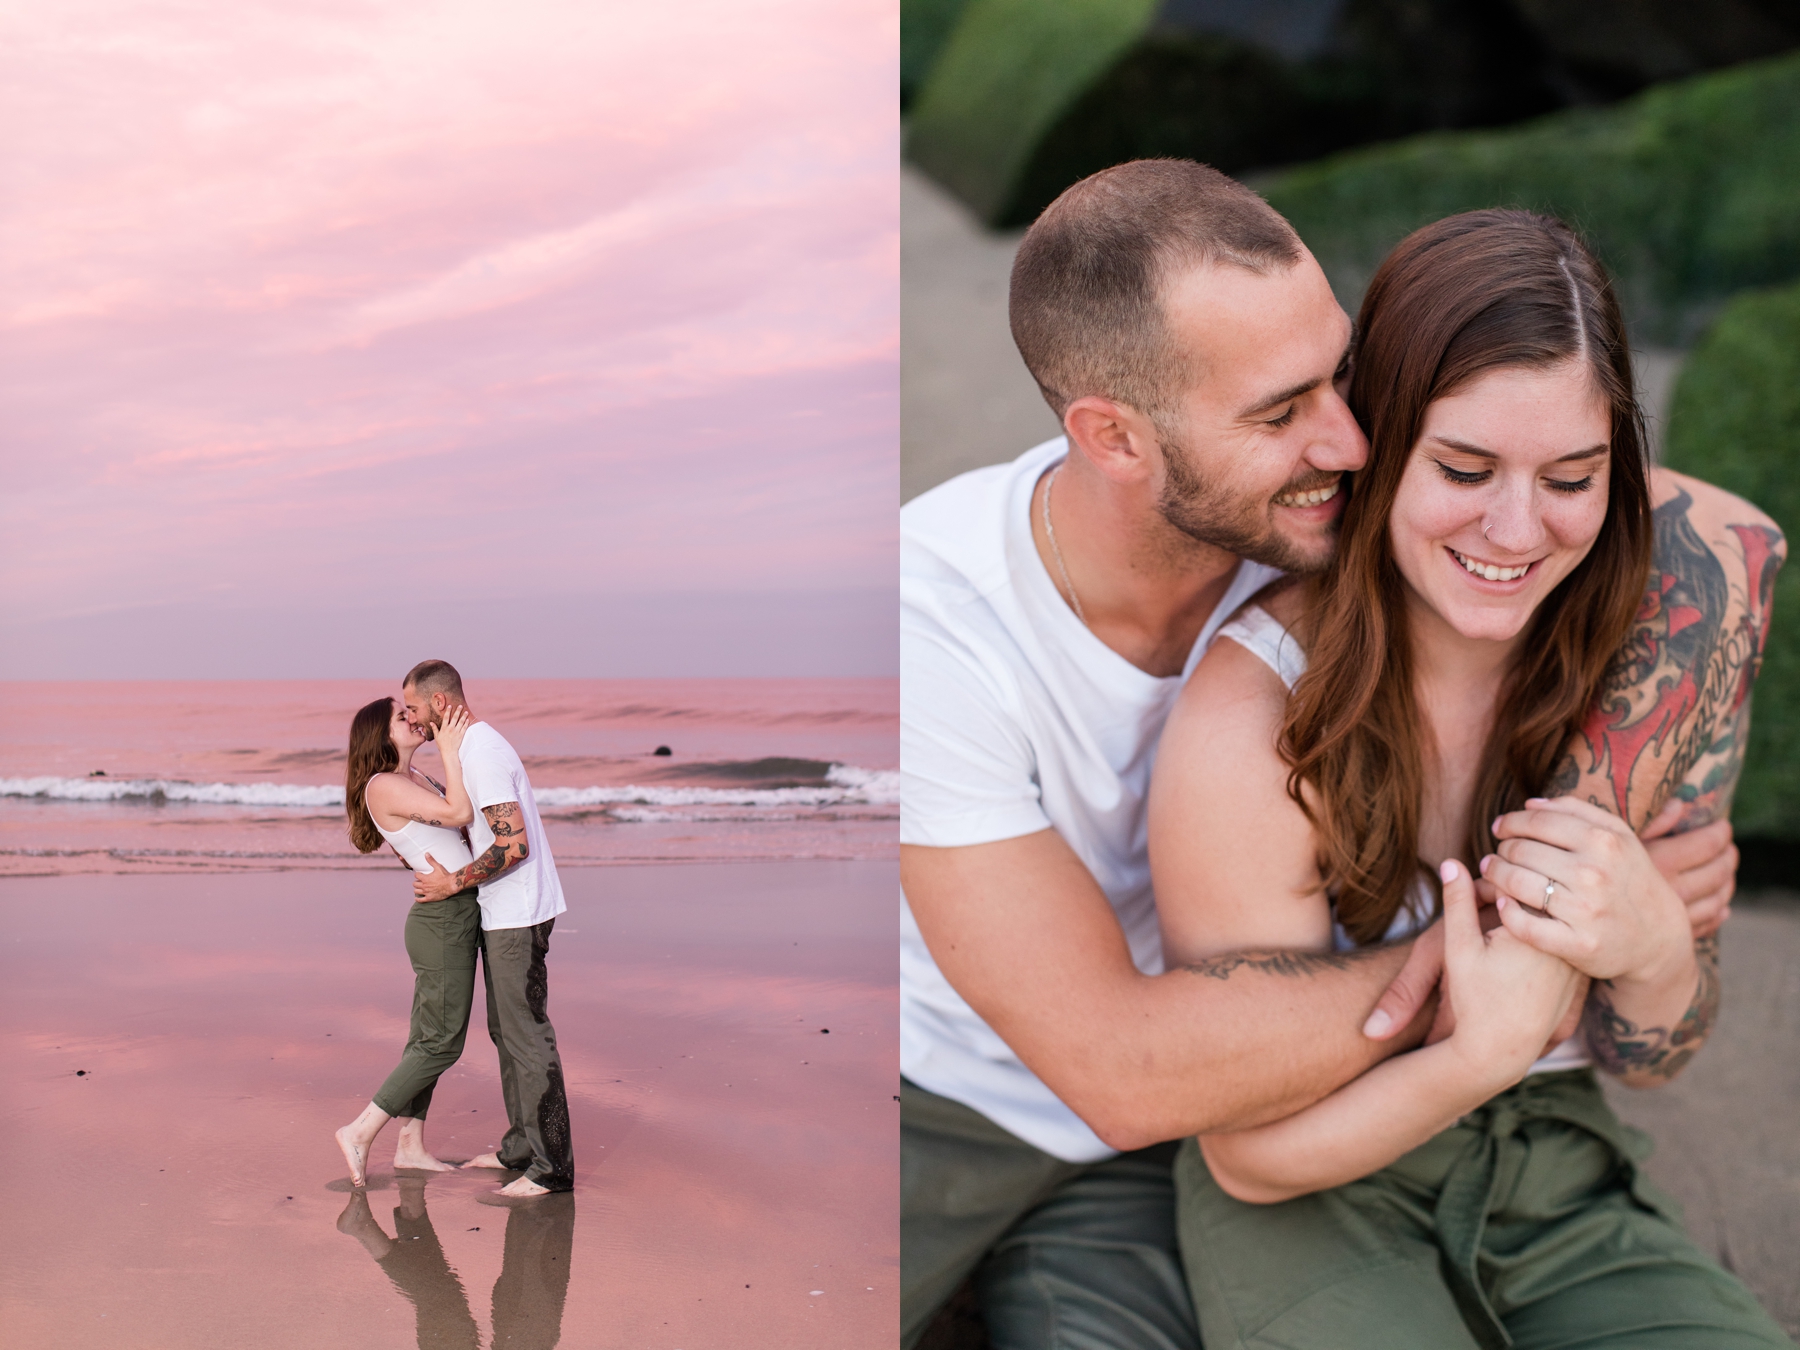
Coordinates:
172 790
847 786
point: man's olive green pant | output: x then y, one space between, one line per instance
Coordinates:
531 1075
1065 1256
441 939
1527 1225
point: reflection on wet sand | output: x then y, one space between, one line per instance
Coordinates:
534 1271
193 1043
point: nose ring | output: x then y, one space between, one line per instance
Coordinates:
1484 531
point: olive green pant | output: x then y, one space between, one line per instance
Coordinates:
441 938
1065 1256
1528 1224
537 1142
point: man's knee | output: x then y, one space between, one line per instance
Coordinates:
1095 1265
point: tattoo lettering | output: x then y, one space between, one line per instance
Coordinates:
1623 1048
1274 963
421 819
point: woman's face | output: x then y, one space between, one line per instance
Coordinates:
1504 495
400 731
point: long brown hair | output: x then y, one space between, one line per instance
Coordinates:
371 752
1469 294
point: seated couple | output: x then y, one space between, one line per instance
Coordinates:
1278 748
499 898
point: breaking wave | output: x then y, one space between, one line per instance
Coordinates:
843 785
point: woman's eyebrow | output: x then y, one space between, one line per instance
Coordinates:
1464 447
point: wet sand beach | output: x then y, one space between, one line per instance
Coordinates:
178 1049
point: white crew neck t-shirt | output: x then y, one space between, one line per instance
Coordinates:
528 892
1015 718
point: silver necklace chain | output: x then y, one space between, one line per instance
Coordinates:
1056 552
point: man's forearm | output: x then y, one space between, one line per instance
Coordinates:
490 864
1643 1055
1230 1042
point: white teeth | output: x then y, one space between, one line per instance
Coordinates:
1489 571
1313 498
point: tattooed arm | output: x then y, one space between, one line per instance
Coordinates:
1670 725
509 847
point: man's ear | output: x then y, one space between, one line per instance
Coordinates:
436 705
1115 438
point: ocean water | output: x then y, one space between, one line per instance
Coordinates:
183 776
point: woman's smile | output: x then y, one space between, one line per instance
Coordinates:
1490 572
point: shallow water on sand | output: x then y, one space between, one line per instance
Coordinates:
177 1051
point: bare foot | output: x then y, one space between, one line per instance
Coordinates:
523 1186
356 1153
488 1160
410 1151
420 1161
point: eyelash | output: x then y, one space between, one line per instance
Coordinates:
1285 418
1470 479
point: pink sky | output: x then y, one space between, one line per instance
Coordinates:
427 311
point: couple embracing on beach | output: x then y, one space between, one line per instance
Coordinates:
1315 766
492 892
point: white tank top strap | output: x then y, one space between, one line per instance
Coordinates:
1257 631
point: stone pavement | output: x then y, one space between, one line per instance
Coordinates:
1728 1130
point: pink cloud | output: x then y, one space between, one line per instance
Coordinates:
300 296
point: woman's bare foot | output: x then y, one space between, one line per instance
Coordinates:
523 1186
354 1139
410 1150
488 1160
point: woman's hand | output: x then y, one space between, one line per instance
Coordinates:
1611 914
1507 996
449 735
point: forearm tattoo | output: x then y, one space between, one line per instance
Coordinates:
1623 1048
509 845
1273 963
489 865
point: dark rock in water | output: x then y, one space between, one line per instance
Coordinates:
81 1073
98 773
662 750
772 771
824 1031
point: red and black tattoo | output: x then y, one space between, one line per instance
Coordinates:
509 846
1671 721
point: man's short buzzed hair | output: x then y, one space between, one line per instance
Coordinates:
1086 304
434 677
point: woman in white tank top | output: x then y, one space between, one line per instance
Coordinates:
1416 700
389 801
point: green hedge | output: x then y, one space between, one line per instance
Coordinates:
1736 422
1688 191
925 25
1003 77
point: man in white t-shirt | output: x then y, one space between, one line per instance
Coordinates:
1050 610
520 897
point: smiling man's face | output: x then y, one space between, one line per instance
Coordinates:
1263 438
